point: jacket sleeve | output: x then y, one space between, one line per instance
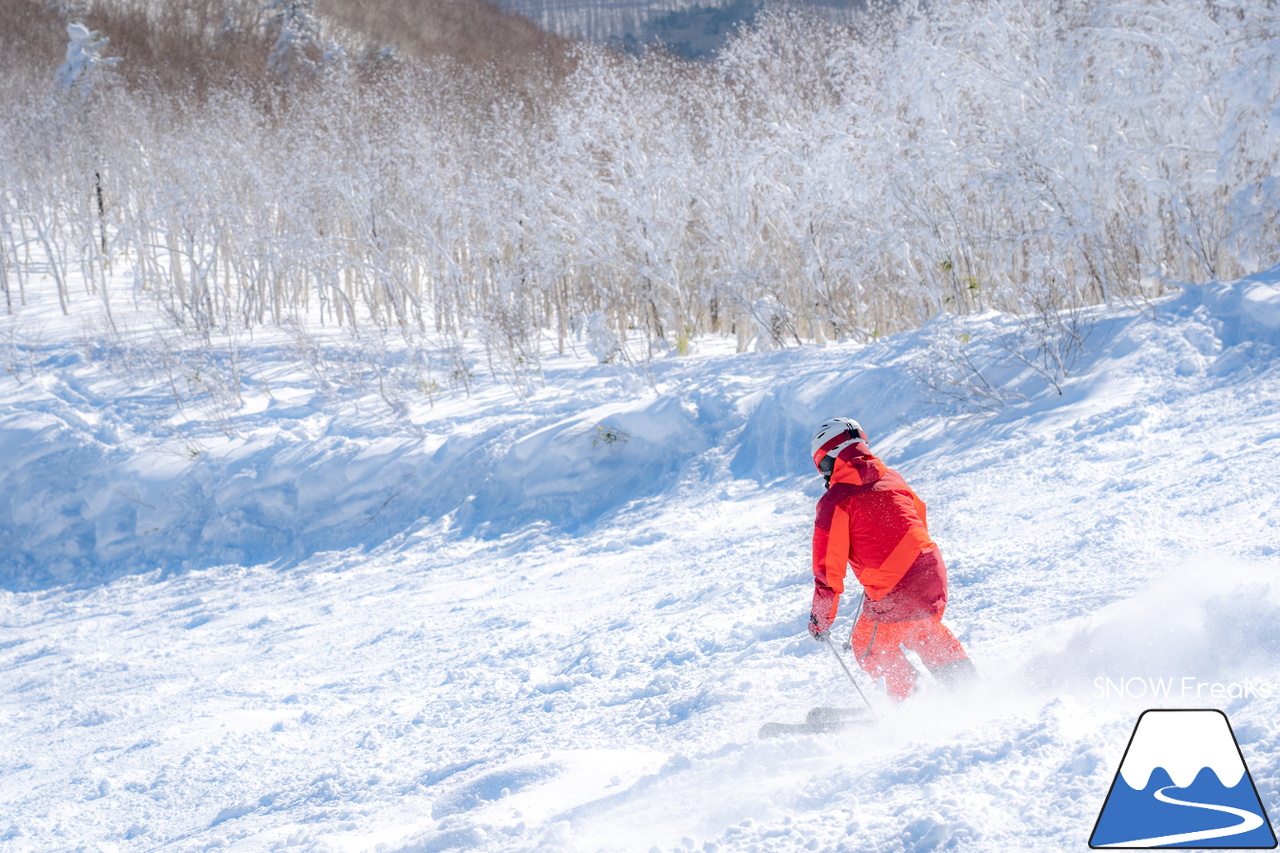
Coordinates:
830 559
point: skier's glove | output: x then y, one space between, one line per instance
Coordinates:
826 602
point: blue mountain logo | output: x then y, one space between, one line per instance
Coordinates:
1183 783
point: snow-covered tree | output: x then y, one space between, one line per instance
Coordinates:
79 80
297 37
84 56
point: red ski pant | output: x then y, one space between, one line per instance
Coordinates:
879 649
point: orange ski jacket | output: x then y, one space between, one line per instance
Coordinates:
871 520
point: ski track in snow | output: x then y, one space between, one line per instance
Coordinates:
506 635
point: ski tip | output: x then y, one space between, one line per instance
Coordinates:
772 730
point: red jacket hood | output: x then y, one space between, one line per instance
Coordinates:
856 464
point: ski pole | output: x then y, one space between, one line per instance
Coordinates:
852 680
840 659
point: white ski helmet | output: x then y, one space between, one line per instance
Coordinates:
834 435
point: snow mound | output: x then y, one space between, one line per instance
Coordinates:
1248 308
86 497
94 486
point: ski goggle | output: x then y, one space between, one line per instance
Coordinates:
826 465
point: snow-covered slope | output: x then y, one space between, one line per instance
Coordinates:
556 622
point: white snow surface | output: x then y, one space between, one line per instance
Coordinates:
556 621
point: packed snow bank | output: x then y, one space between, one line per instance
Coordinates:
95 488
100 482
96 484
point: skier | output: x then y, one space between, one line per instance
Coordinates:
869 518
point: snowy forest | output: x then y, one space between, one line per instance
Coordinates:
813 182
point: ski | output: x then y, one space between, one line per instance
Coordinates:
819 720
